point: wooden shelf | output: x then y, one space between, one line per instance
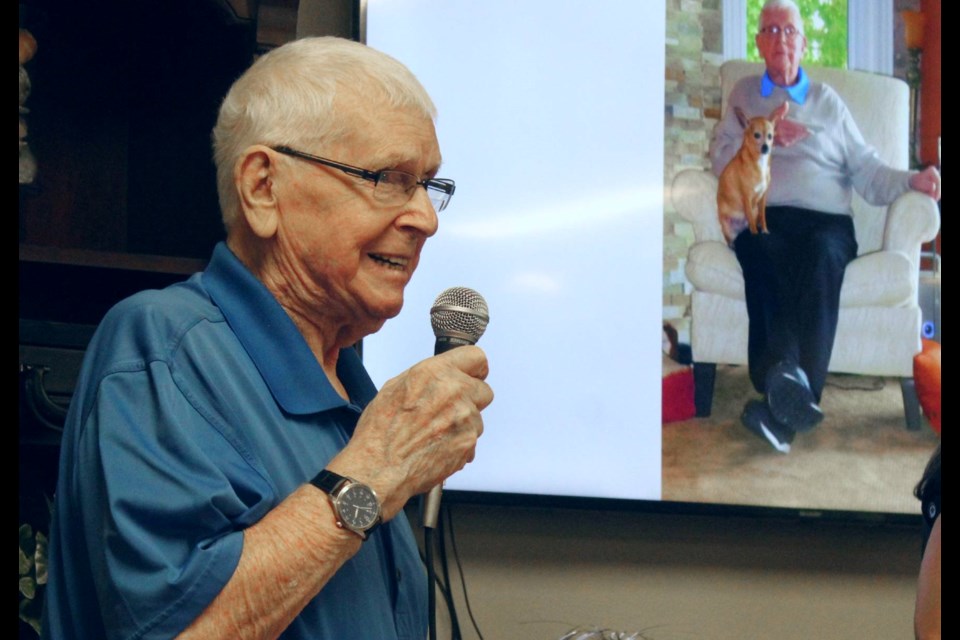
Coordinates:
110 260
78 286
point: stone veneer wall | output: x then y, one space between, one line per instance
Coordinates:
694 41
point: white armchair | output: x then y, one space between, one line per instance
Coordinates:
879 328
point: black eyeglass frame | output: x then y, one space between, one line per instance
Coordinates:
439 185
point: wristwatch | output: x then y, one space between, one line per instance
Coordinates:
355 504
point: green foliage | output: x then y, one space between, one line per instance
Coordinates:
33 574
824 23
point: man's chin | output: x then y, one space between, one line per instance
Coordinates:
381 314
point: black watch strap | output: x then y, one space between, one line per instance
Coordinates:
328 481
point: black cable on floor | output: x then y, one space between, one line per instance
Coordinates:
438 584
428 543
448 590
463 582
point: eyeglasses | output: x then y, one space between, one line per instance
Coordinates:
390 186
774 31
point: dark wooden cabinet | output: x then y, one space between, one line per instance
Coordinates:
123 97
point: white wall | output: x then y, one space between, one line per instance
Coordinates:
535 573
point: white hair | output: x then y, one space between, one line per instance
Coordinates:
789 5
288 97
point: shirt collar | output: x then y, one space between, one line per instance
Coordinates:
797 91
277 348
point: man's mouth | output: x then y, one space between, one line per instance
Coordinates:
393 262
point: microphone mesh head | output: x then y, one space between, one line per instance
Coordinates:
459 312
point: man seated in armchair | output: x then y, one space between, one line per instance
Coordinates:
793 274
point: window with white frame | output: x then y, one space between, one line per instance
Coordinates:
869 31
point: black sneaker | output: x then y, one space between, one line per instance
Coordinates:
790 399
757 418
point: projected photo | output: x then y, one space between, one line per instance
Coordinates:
867 449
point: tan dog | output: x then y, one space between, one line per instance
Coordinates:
742 194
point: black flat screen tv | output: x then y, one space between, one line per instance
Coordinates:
551 121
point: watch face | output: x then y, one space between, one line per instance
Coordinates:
358 507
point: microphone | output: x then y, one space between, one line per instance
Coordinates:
459 317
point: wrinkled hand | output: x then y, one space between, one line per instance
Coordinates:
789 132
421 428
927 181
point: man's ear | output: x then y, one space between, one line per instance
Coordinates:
253 176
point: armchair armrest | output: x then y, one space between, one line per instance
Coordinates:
694 196
912 219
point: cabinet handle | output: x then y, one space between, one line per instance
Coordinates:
47 412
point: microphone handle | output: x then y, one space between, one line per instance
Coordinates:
431 502
431 507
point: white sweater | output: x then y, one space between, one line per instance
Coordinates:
817 172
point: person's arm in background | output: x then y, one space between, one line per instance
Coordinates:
926 617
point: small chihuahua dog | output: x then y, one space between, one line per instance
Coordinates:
742 194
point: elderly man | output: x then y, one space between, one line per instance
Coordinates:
793 274
215 422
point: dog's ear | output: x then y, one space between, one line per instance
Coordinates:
779 113
742 117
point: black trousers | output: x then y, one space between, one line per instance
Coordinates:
792 277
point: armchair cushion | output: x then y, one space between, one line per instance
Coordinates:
884 278
881 279
694 196
713 267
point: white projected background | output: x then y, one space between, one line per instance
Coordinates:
551 122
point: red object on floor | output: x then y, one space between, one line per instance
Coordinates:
677 400
926 377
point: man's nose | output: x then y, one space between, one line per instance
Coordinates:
419 214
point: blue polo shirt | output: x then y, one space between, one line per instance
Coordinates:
199 408
797 91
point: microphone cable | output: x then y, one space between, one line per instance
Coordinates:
428 546
428 556
463 580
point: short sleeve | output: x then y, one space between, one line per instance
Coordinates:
162 500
